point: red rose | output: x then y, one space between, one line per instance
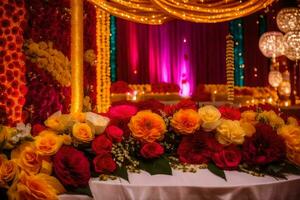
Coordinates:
227 158
151 104
71 167
104 163
230 113
101 145
114 133
36 129
152 150
183 104
122 112
197 148
264 147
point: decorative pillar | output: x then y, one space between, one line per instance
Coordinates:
76 55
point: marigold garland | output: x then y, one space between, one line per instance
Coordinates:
102 66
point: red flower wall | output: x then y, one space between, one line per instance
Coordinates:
12 65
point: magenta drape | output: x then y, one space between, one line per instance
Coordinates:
179 52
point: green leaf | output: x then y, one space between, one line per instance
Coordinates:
274 168
121 172
83 190
156 166
217 171
290 168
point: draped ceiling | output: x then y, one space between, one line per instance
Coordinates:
200 11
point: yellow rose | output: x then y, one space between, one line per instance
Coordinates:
58 122
47 143
230 132
186 121
291 135
78 116
249 116
27 158
82 132
35 187
292 121
147 126
248 128
67 140
8 171
210 116
273 119
6 135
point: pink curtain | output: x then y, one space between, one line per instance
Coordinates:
179 52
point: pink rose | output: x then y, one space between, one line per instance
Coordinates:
114 133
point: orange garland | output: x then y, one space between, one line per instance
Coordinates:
12 66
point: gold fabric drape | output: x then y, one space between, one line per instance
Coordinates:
140 11
200 11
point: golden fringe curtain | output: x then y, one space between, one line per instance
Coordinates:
200 11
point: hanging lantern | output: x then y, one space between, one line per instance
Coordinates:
288 19
292 45
275 78
271 44
285 86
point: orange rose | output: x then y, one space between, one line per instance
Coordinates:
83 132
27 158
147 126
248 128
186 121
291 135
8 171
47 143
35 187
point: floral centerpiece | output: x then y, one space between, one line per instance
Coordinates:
64 153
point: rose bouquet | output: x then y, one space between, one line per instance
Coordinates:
70 149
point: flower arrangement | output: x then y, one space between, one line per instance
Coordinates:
64 153
49 59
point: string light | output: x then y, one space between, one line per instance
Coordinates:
137 11
103 60
218 11
160 11
230 67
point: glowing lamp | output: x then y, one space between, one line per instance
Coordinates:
275 78
271 44
288 19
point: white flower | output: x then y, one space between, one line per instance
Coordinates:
98 121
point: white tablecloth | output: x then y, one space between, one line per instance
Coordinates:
74 197
198 186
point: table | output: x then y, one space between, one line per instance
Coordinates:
199 186
74 197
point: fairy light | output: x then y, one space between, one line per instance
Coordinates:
230 67
160 11
103 60
141 12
